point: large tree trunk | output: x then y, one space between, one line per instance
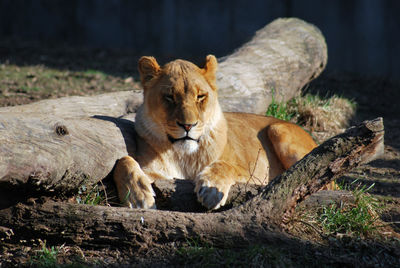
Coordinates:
57 145
44 153
278 62
97 226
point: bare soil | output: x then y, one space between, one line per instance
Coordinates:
30 72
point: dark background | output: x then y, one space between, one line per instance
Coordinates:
362 35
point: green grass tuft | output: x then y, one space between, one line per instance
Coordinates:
279 110
352 219
94 196
46 257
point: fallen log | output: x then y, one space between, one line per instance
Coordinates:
278 61
256 221
49 154
115 104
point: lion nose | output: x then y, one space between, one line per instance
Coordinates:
186 127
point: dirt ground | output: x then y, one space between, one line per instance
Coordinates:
111 70
375 97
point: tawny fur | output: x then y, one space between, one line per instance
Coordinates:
180 99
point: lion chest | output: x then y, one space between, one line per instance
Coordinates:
169 165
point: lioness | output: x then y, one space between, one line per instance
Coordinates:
182 133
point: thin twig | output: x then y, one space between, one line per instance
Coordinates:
312 226
105 193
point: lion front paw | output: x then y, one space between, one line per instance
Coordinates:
211 193
139 194
133 185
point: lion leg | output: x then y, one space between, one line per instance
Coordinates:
133 185
291 143
214 182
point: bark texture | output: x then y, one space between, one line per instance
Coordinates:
255 221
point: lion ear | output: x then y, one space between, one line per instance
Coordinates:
148 68
210 68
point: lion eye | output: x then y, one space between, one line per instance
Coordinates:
201 97
169 98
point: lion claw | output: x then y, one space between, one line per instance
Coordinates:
210 196
141 198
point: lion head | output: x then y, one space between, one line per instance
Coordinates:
180 106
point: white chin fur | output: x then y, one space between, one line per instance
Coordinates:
186 146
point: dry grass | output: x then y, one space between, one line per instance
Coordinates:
25 84
323 117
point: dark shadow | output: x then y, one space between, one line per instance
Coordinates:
177 197
13 194
111 61
384 163
381 187
392 217
63 57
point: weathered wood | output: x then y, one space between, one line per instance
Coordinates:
279 61
255 221
113 104
47 153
